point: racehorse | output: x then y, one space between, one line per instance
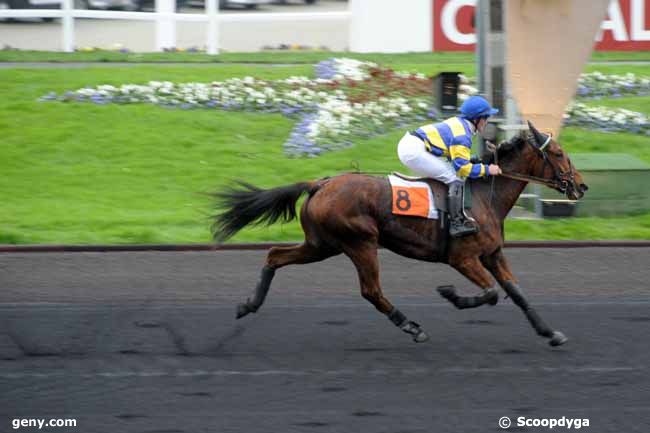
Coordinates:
352 214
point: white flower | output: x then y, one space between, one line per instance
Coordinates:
107 88
467 89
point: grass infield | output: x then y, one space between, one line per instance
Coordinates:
77 173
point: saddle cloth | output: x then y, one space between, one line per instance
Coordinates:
412 198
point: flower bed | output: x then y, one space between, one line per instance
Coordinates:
598 85
607 119
360 105
348 99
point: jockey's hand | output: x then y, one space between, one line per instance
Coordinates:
490 147
494 170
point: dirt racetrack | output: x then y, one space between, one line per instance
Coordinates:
148 342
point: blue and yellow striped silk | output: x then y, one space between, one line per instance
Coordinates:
452 139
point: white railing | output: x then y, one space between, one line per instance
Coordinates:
166 19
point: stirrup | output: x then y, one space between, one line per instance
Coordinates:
468 217
459 229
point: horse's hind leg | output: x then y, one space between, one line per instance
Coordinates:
277 258
364 257
473 270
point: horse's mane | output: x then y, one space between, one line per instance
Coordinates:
506 147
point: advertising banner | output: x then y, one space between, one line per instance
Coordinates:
625 28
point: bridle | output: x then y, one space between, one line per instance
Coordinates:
560 180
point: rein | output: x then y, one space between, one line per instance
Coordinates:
533 179
496 161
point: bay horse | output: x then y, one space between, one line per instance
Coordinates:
352 214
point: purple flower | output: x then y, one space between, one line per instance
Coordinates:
98 99
326 69
299 143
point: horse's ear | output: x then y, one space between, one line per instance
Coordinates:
540 139
523 135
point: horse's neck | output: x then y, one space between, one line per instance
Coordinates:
508 190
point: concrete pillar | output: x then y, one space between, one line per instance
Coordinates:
166 27
67 28
212 41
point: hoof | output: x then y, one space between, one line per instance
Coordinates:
242 310
412 328
420 337
558 339
447 292
491 296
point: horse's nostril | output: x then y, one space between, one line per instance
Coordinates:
583 187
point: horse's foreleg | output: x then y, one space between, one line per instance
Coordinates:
473 270
277 258
364 257
499 267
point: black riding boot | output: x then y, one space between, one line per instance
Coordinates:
459 225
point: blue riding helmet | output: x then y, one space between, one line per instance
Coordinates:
477 106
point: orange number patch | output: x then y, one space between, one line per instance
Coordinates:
411 201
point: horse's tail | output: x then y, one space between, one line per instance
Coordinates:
245 204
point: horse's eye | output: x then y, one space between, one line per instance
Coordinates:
558 154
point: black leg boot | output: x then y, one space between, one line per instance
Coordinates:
459 224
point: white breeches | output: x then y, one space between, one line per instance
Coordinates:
414 155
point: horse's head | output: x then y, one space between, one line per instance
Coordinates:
556 165
545 159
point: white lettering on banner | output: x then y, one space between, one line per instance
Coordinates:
448 21
638 21
615 23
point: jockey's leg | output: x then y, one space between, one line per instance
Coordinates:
277 258
474 271
364 256
460 225
414 155
499 267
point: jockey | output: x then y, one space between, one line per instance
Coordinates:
442 151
